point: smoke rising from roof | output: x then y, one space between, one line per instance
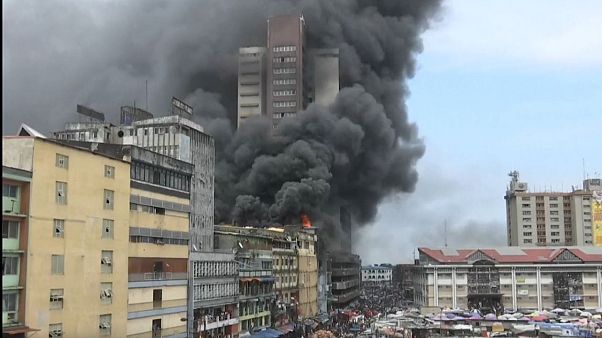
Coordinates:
351 154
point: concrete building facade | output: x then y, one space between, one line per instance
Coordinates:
251 83
253 251
15 234
523 279
178 137
76 273
285 54
307 279
377 274
550 218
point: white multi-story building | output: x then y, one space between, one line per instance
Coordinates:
377 274
523 279
550 218
251 82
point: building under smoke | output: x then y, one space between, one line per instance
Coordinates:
282 79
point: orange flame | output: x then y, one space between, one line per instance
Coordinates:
305 220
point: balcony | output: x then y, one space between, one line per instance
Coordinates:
345 271
11 206
217 324
156 276
345 285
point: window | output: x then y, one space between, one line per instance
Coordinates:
104 324
9 190
106 293
109 171
284 81
108 199
555 240
107 229
55 330
526 205
554 213
61 193
10 265
555 233
526 219
62 161
284 104
554 205
59 228
284 92
284 70
56 299
284 49
528 240
554 219
526 212
526 226
526 198
9 302
106 262
58 264
10 229
527 233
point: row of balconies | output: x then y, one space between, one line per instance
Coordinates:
345 284
155 276
345 272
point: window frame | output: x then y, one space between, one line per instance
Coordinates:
57 261
62 161
109 171
8 233
108 199
61 187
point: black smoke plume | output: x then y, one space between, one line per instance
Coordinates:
352 154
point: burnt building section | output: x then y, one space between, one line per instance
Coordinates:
339 270
568 290
403 278
344 278
484 287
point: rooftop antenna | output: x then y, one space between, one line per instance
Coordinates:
146 85
445 232
583 160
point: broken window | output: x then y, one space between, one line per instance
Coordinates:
108 199
59 228
61 193
107 229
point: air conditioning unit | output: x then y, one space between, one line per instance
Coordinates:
106 260
11 317
55 333
56 298
106 293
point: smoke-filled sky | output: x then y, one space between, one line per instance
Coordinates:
497 88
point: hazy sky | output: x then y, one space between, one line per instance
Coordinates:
501 85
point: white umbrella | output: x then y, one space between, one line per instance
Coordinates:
585 314
558 310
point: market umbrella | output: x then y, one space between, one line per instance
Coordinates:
490 316
539 318
585 314
558 310
476 316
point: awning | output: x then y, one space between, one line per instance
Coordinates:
17 330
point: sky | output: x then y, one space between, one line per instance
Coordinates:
500 86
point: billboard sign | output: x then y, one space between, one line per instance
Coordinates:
91 113
597 218
179 107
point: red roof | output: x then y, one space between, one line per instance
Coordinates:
514 255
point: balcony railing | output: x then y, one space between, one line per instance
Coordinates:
156 276
201 326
